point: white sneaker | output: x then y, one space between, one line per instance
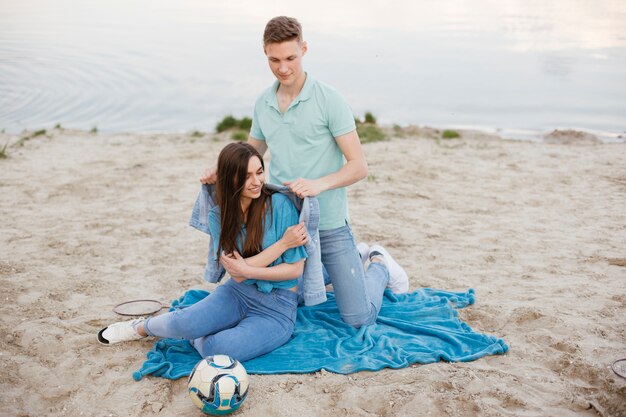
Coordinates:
121 331
398 279
364 250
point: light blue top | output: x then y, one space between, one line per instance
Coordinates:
302 141
313 290
282 215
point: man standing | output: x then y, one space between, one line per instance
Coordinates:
311 134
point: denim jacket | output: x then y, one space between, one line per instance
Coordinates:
312 286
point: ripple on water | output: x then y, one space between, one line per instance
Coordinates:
65 84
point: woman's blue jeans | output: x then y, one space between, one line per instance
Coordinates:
358 293
236 320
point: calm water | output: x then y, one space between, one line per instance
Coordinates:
519 66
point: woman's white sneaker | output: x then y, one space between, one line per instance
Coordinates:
398 279
121 331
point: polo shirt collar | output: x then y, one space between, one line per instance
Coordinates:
305 93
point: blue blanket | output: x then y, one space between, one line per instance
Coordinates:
419 327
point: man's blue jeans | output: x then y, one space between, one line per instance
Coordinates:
236 320
359 293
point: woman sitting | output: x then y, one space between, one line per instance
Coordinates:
254 312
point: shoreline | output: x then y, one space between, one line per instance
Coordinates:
556 136
536 229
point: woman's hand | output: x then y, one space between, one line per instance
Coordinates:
294 236
235 265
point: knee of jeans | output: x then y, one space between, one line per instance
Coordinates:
240 350
361 320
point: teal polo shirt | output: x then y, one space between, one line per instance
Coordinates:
302 141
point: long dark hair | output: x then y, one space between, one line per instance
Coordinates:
232 170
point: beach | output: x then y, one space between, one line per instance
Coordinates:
538 230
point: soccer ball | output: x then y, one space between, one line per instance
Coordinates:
218 385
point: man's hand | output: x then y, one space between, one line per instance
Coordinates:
306 188
295 236
235 265
209 176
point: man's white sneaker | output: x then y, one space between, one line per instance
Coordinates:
364 250
121 331
398 279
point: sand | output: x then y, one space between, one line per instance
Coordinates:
537 229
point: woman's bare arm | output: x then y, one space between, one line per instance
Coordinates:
281 272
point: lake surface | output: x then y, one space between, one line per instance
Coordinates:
520 67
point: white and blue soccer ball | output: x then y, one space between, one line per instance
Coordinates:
218 385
